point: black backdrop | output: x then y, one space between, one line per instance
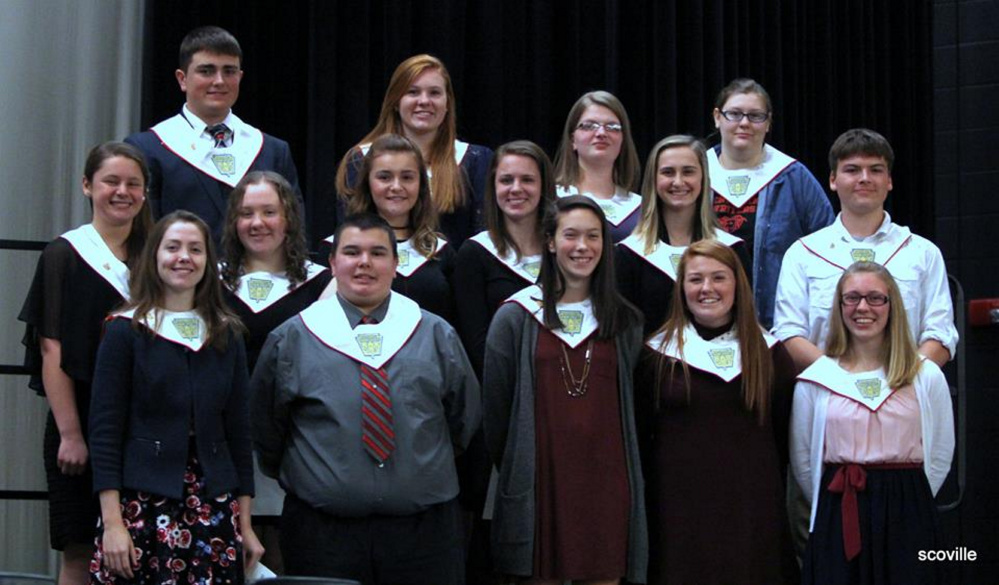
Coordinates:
316 71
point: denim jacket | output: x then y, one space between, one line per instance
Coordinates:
791 206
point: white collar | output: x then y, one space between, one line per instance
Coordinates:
92 248
185 328
259 290
372 344
665 257
738 186
578 320
870 389
226 165
527 267
617 209
719 356
836 246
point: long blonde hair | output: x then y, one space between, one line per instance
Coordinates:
899 354
447 183
757 365
649 225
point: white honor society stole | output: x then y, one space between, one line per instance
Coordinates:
666 258
226 165
578 321
410 259
185 328
617 209
867 388
91 248
460 148
260 290
840 253
738 186
528 267
719 356
372 344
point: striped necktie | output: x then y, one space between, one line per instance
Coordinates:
221 134
376 410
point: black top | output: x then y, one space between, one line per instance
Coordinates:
147 390
430 285
63 277
258 325
481 284
651 289
465 221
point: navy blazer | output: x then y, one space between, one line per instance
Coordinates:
176 184
146 392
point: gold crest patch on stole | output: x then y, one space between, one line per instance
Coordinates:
722 358
675 261
869 388
225 163
862 255
403 258
188 327
572 321
609 210
738 186
259 289
533 268
370 344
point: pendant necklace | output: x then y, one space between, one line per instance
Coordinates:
576 388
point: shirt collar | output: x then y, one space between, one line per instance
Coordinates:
354 314
845 235
199 125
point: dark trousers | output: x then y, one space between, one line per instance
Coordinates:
423 548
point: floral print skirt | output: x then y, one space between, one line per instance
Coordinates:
191 541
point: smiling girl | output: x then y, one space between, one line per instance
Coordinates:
558 414
676 212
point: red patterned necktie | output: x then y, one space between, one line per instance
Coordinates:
376 410
220 133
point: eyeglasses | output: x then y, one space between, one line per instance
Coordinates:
609 127
873 299
737 116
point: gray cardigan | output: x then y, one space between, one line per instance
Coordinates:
508 423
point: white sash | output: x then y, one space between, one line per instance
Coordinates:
738 186
185 328
226 165
90 246
719 356
410 259
260 290
528 267
460 148
666 258
617 209
829 245
867 388
578 320
370 344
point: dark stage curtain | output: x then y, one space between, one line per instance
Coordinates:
316 72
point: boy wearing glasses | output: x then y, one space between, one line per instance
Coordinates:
196 157
860 162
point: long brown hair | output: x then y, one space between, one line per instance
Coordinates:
495 220
899 354
651 221
447 184
757 364
422 217
626 167
614 314
143 221
147 293
296 252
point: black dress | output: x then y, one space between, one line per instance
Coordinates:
430 284
68 302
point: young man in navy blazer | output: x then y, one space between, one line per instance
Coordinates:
196 157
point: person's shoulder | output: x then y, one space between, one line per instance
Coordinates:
274 141
925 244
143 139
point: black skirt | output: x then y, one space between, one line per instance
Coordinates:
898 518
73 507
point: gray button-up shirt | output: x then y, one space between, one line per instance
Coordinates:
306 414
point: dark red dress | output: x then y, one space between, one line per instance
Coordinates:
582 478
